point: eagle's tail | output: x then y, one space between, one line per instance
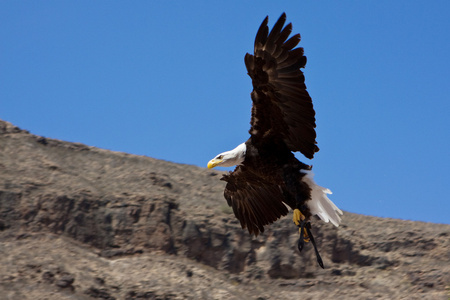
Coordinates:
320 204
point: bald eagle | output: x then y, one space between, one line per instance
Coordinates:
268 176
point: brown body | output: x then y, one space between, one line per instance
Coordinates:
274 175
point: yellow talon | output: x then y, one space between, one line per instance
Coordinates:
297 218
305 235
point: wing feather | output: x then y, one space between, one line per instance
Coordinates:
261 35
281 103
292 41
255 201
270 45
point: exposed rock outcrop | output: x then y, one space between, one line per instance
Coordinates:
79 222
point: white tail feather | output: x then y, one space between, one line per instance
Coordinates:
320 204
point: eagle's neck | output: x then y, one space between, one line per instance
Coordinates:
239 154
234 157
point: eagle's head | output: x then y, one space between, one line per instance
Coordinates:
229 158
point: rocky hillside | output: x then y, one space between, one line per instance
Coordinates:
77 222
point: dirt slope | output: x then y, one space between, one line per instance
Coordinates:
77 222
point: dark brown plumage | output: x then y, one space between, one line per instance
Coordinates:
282 121
281 104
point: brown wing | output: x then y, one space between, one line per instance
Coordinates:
281 105
255 201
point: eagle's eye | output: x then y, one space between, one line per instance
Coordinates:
219 157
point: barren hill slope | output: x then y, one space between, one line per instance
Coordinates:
78 222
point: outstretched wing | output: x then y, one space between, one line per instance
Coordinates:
282 107
255 201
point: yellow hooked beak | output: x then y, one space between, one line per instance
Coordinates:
213 163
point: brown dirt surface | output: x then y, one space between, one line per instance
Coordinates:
78 222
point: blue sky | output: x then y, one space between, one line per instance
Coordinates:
167 80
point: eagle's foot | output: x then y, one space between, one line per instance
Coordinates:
298 219
306 236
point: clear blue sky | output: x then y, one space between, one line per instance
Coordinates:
167 80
